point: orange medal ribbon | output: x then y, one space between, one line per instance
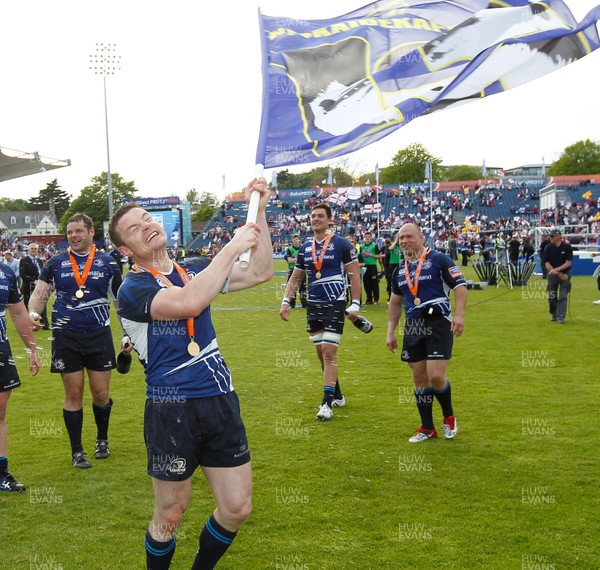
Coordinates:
413 286
81 278
193 346
318 263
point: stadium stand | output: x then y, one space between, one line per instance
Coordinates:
462 209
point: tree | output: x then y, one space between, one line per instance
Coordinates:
408 166
53 192
93 200
13 205
207 206
192 198
458 172
315 177
583 157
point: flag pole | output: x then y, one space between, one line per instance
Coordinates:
252 216
377 194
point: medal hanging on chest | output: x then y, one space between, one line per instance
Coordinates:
193 347
318 263
413 286
81 278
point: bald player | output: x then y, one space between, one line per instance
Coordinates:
422 284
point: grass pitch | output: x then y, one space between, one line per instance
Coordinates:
517 488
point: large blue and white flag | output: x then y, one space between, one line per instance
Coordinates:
334 86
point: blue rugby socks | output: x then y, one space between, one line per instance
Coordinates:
158 554
102 417
214 541
424 399
444 397
74 424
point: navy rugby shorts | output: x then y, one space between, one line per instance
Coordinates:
182 434
9 377
428 338
75 350
325 317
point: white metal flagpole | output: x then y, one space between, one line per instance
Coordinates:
377 194
252 216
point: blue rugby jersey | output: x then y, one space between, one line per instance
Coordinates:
9 295
92 311
333 284
438 276
162 344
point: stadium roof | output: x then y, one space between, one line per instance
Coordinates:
15 163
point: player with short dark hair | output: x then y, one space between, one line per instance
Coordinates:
83 279
557 259
192 414
328 260
423 284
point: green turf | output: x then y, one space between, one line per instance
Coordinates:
517 488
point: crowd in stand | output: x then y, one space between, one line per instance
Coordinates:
462 214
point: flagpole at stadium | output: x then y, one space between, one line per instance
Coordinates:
252 215
428 177
377 194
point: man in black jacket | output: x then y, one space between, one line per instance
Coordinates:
30 266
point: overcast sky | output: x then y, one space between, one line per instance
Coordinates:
184 109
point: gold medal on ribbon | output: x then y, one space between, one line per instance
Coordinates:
413 284
193 347
318 263
81 278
